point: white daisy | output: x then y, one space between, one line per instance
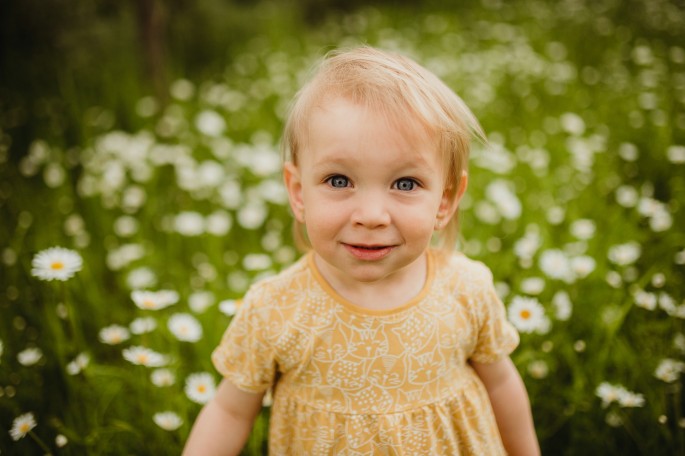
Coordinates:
583 265
624 254
162 377
679 342
61 440
627 196
200 301
252 215
486 212
264 160
533 285
22 425
555 264
526 247
500 193
628 152
132 198
527 315
669 370
143 356
154 300
143 325
231 194
658 280
124 255
271 240
630 399
661 220
273 190
676 154
182 89
210 123
285 254
667 303
200 387
78 364
126 226
583 229
572 123
169 421
142 277
218 223
29 356
210 173
228 307
562 305
189 223
56 263
556 215
114 334
256 262
679 312
538 369
645 299
238 281
185 327
609 393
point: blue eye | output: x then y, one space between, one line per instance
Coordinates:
338 181
405 184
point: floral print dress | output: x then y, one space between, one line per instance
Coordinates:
354 381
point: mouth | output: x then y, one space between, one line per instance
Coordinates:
369 252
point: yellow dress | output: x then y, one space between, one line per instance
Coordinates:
353 381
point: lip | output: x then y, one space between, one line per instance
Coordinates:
368 252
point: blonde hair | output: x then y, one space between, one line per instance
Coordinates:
406 93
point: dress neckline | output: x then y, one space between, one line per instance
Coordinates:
373 312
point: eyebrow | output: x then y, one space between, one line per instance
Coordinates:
415 163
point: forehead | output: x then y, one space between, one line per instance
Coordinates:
340 122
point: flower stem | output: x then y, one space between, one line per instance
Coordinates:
71 316
40 442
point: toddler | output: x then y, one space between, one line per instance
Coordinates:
381 339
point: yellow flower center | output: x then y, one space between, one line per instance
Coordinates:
57 265
142 358
148 304
525 314
24 428
201 389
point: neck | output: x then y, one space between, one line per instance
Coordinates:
391 292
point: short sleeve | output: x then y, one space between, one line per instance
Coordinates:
244 356
497 337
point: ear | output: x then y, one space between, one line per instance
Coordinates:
293 184
450 201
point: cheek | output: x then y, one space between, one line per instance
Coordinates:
419 223
322 220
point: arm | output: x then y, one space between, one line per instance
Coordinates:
510 404
225 422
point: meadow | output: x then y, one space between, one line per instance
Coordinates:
124 248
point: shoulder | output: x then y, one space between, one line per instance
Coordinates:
456 266
294 277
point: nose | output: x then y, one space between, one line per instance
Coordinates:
371 210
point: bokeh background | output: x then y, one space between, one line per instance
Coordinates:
143 136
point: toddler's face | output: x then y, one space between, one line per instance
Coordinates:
369 194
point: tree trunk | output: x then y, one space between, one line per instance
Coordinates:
152 21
